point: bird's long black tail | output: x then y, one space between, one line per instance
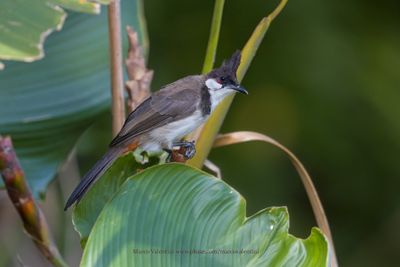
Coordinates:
92 175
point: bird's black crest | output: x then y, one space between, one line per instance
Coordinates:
228 67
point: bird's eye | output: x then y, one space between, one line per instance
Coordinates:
221 80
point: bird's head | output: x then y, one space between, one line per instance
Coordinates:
222 81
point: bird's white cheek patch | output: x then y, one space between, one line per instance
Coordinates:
213 84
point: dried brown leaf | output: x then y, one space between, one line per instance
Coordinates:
213 167
138 85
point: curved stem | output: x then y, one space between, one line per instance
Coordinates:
315 201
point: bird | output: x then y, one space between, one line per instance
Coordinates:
161 121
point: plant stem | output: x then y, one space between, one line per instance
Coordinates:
144 36
205 135
32 217
214 36
209 60
117 88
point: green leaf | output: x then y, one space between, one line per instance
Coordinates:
46 105
24 24
174 215
86 212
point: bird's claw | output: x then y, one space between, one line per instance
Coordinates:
189 149
141 156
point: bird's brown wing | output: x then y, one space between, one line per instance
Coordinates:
158 110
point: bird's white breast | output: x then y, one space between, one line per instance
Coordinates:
164 136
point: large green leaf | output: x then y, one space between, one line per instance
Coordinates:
47 104
86 212
24 24
175 215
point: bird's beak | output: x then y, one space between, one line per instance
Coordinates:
240 89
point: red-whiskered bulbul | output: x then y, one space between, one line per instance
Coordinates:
160 121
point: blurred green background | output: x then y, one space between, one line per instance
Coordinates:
325 83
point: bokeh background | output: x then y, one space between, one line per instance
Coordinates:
325 83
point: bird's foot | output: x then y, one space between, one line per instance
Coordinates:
165 156
187 149
141 156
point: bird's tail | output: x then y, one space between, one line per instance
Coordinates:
92 175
